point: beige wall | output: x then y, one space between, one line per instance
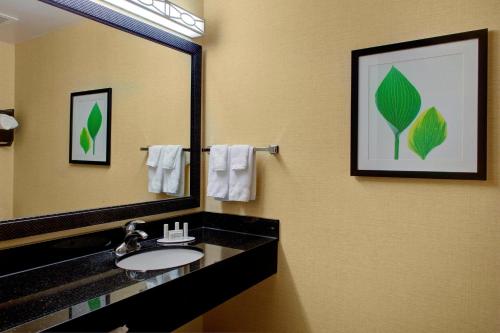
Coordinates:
151 105
356 254
7 54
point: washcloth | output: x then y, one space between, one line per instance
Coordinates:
239 157
155 173
218 180
169 156
153 156
242 182
218 156
173 177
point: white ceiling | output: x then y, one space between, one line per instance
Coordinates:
34 19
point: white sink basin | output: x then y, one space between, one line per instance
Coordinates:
160 258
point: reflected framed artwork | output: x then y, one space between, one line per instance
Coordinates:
419 108
90 127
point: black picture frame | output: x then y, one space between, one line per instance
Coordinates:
482 53
109 97
30 226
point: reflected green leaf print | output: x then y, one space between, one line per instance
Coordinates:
94 123
85 140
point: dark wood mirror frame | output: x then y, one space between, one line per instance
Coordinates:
30 226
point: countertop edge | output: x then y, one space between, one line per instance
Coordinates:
193 295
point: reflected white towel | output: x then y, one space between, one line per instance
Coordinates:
169 156
218 180
155 174
174 170
242 182
218 157
153 156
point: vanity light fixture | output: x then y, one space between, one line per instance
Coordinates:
163 13
5 19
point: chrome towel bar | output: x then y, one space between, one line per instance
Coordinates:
271 149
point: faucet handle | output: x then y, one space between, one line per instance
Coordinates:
130 226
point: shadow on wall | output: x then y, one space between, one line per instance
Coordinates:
267 166
254 309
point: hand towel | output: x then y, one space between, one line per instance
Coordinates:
242 182
169 156
155 173
218 156
182 178
239 157
173 178
218 180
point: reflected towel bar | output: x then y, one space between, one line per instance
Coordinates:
147 148
271 149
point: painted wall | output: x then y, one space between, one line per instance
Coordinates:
151 105
356 254
7 59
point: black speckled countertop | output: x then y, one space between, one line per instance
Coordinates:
78 281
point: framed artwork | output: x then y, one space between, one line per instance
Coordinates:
419 108
90 127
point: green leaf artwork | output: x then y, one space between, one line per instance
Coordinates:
428 132
94 123
85 140
94 303
398 101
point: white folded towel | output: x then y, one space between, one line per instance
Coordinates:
182 176
242 182
218 156
218 180
173 165
155 174
153 156
169 156
239 157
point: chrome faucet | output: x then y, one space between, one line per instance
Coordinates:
131 241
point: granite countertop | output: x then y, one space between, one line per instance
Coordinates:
39 298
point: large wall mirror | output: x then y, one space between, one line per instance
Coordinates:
53 49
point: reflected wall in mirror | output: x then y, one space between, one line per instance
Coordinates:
47 54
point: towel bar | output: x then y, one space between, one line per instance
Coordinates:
271 149
147 148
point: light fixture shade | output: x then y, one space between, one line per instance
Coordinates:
162 13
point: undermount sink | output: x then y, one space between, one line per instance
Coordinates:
162 258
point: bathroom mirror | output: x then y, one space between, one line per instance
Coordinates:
59 61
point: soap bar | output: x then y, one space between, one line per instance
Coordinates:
175 234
